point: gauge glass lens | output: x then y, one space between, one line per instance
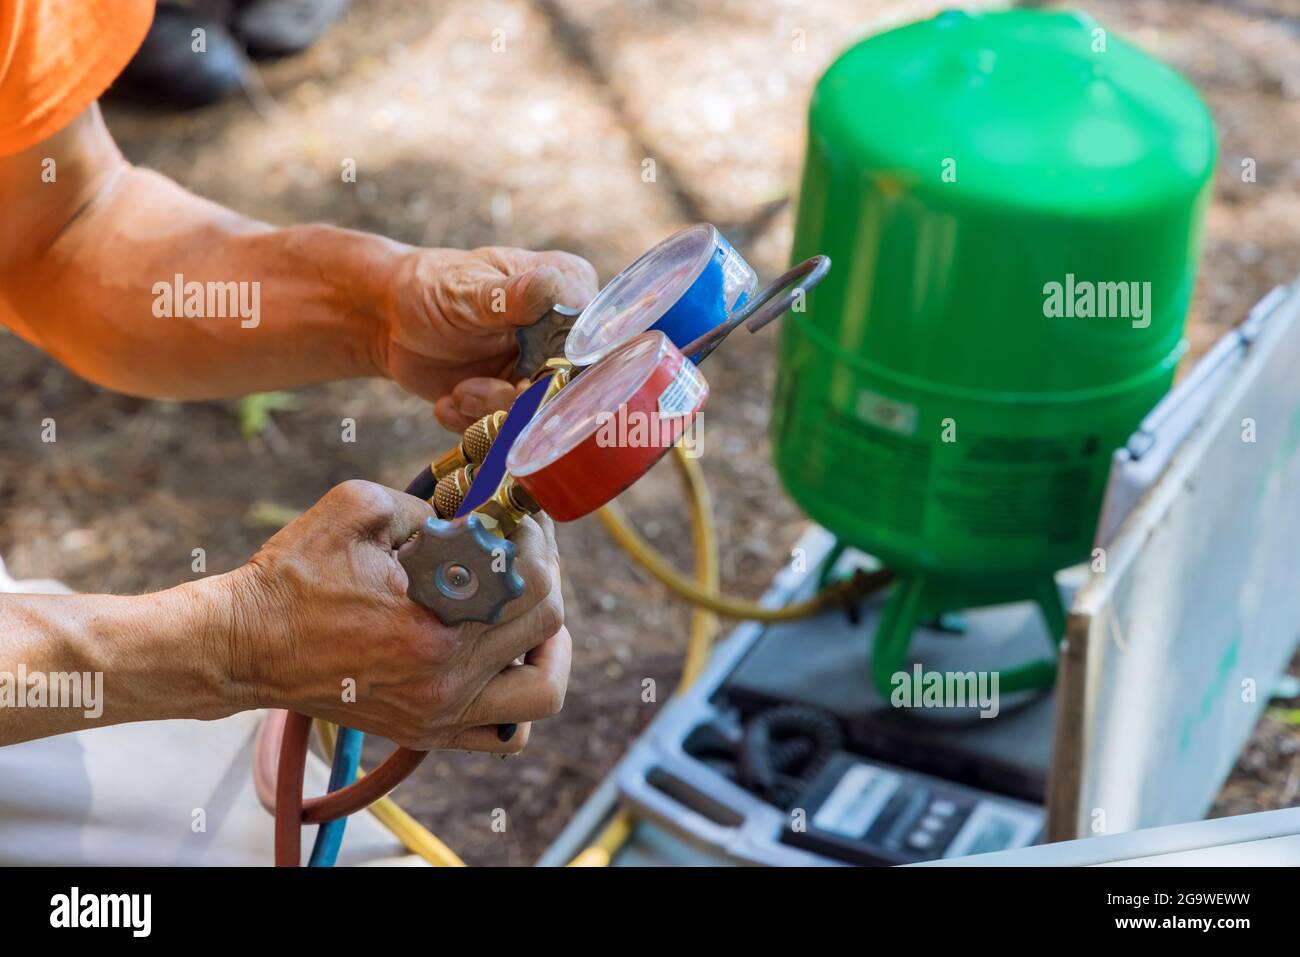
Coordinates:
637 298
577 412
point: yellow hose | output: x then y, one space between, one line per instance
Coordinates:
613 836
643 554
703 625
703 593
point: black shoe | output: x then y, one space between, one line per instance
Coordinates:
276 28
168 71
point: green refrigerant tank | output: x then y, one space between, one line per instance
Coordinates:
1012 202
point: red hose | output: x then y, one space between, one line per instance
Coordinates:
279 782
364 792
266 757
288 791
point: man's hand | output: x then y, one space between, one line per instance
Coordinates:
452 315
320 624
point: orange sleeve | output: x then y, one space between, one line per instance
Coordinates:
57 57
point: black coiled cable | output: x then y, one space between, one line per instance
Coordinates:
783 748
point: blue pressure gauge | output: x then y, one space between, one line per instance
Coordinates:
684 287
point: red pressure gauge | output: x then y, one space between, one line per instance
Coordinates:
606 429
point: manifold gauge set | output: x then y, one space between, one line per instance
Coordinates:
629 359
613 388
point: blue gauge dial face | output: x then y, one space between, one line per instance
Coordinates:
639 296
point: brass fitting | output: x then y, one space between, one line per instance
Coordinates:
560 372
554 367
473 446
451 490
503 512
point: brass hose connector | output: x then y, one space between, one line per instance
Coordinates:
473 446
479 437
450 492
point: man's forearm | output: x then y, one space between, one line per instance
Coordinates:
69 662
150 290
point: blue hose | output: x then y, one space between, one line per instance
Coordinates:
347 758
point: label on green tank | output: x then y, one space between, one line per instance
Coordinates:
886 413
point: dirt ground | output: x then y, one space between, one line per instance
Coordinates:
543 145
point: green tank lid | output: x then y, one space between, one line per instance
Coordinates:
958 166
1048 110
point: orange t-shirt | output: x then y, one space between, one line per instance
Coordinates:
57 57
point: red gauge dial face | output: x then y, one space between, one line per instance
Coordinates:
608 427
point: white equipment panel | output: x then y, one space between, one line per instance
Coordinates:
1173 650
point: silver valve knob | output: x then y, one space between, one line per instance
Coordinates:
460 571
